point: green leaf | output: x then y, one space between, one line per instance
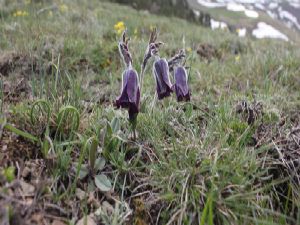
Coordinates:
108 134
91 186
107 140
45 148
68 116
207 212
40 106
188 110
99 164
115 125
103 183
21 133
93 152
84 171
46 143
9 173
2 124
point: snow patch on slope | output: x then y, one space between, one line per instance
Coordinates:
264 30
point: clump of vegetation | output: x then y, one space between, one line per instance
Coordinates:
227 154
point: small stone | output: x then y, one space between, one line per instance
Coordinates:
27 189
28 201
26 172
57 222
80 194
88 220
37 218
108 208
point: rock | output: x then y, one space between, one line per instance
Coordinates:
57 222
4 148
80 194
88 220
108 208
26 172
27 189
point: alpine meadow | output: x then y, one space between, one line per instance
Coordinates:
113 115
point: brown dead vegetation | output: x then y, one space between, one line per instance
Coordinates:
208 52
15 69
283 156
18 63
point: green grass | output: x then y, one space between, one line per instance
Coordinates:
192 163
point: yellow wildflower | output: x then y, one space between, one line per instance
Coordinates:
20 13
189 49
237 58
119 27
63 8
135 31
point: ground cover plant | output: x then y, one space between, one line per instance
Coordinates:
229 155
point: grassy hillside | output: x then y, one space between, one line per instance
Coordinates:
230 156
239 19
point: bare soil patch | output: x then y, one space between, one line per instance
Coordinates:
19 63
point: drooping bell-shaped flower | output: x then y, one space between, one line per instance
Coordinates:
130 93
161 74
181 84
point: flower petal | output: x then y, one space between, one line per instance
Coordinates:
130 93
181 86
161 73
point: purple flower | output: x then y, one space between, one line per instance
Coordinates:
181 86
161 73
130 93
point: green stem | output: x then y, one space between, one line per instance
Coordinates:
142 78
133 123
21 133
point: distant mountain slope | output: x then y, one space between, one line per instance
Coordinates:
257 18
280 16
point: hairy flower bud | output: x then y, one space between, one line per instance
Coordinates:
130 93
161 74
181 84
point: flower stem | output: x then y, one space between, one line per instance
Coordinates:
142 77
133 123
153 102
